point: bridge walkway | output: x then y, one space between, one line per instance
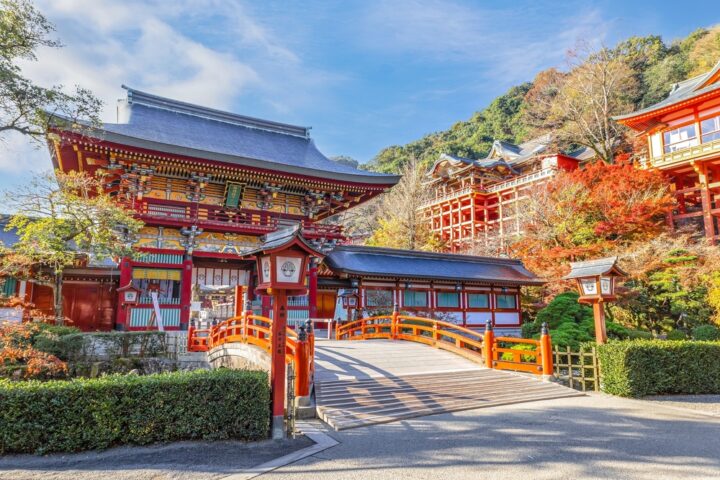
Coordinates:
360 383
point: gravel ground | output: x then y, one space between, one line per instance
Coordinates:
705 403
176 461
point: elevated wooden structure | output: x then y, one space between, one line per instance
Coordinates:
476 204
683 141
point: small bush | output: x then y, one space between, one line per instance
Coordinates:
638 368
677 335
706 332
65 416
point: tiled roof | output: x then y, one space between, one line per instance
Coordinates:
170 126
387 262
685 90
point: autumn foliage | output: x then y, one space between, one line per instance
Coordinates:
18 357
591 212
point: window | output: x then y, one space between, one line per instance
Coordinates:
680 138
506 301
448 300
710 129
478 300
415 298
378 298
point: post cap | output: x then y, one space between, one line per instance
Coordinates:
488 326
302 333
544 329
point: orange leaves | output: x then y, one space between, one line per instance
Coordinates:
591 212
18 358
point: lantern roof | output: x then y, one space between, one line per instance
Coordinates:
591 268
284 239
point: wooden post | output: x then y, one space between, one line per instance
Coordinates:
394 322
191 332
121 317
245 320
277 370
546 352
312 289
302 364
599 314
186 292
239 304
489 344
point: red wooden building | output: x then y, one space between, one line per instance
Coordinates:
210 185
477 204
683 140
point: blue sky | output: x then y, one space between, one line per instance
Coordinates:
364 74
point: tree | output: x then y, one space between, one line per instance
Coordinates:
345 160
600 84
60 220
399 221
27 108
591 212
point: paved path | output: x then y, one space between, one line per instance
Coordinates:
359 383
579 438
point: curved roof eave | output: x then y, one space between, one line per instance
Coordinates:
379 179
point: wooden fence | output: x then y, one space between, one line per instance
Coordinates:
577 369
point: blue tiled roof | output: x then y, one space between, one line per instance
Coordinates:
169 126
387 262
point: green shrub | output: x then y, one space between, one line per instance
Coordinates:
87 414
571 323
655 367
509 357
66 347
639 334
706 332
677 335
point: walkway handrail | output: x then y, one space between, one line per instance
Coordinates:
256 330
476 346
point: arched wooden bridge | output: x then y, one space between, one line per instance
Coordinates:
396 374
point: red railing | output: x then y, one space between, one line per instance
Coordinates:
256 330
494 352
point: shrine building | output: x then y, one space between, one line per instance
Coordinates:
683 141
210 187
476 204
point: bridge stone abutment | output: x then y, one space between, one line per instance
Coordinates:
238 355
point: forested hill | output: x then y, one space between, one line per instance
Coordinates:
527 110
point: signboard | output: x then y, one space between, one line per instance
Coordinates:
589 286
288 269
233 194
265 261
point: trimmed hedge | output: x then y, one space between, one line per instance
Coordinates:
655 367
65 416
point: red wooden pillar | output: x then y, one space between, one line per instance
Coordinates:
185 293
277 370
265 305
121 315
312 289
239 304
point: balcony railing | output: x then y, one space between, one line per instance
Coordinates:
685 155
170 212
498 187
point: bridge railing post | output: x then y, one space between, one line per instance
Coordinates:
489 344
245 314
394 322
191 334
546 353
311 346
302 364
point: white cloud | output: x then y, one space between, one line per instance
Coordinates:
210 52
511 44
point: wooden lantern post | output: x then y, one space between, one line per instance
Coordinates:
282 264
596 282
